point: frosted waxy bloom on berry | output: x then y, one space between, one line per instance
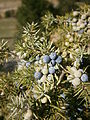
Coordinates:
68 36
19 54
50 77
77 50
84 16
71 39
28 115
73 24
76 82
85 22
53 55
46 59
51 70
77 73
38 75
74 77
53 62
73 69
79 23
20 67
43 78
88 26
74 20
82 25
84 78
35 96
69 19
67 44
27 64
81 31
21 64
44 100
36 63
88 31
45 70
78 28
37 58
75 13
59 60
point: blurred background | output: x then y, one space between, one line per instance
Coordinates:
14 14
8 22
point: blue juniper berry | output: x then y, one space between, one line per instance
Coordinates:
84 77
37 75
46 59
59 60
81 31
53 55
51 70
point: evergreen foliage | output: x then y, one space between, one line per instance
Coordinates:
51 81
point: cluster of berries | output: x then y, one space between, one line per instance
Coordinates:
80 22
46 65
76 76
